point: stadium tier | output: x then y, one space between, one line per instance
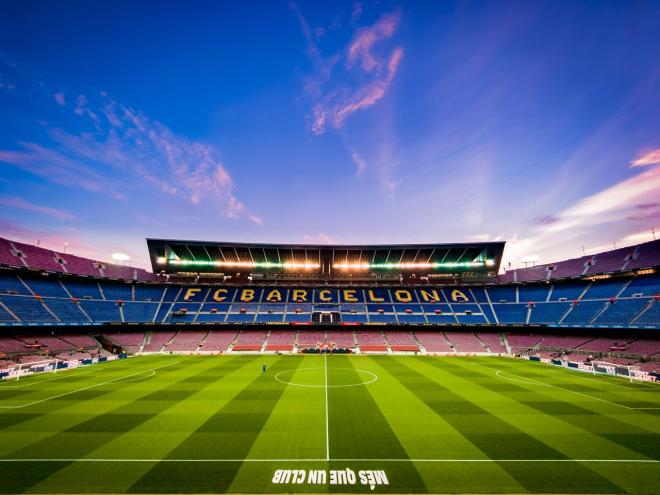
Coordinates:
637 257
20 255
632 301
375 300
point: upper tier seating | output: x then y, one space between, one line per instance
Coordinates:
511 313
30 298
620 312
18 254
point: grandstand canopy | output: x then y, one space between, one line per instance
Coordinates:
180 256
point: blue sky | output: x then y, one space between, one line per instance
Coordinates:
346 122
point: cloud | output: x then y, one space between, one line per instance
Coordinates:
359 161
320 238
646 211
256 219
365 96
651 157
361 47
25 205
477 237
638 237
369 66
546 219
107 147
357 11
59 168
622 206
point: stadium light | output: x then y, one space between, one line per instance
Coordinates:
241 264
120 257
413 266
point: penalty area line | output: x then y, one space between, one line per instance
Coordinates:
88 387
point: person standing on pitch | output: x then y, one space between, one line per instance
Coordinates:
263 368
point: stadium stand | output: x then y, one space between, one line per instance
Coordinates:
433 342
281 341
579 308
18 254
493 341
218 341
465 342
156 341
129 341
186 341
311 339
645 255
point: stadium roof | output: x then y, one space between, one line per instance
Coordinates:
173 256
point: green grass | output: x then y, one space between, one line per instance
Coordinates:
185 424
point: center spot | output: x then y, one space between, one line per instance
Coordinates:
316 377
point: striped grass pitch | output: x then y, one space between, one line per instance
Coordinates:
188 424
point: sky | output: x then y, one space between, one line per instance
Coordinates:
368 122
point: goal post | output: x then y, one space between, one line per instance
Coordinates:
607 368
34 367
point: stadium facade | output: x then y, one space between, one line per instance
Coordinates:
213 297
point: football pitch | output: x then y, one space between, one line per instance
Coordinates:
346 424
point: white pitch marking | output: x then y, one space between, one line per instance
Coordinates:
536 382
635 385
86 388
34 382
533 382
152 371
85 459
373 379
327 429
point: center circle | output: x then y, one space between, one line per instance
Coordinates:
316 377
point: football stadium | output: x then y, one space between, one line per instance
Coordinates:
351 247
300 368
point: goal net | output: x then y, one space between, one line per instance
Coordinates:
24 369
631 372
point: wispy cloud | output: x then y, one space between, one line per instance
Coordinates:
359 161
646 158
630 205
361 48
319 238
57 167
356 77
357 11
482 238
107 147
256 219
13 202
